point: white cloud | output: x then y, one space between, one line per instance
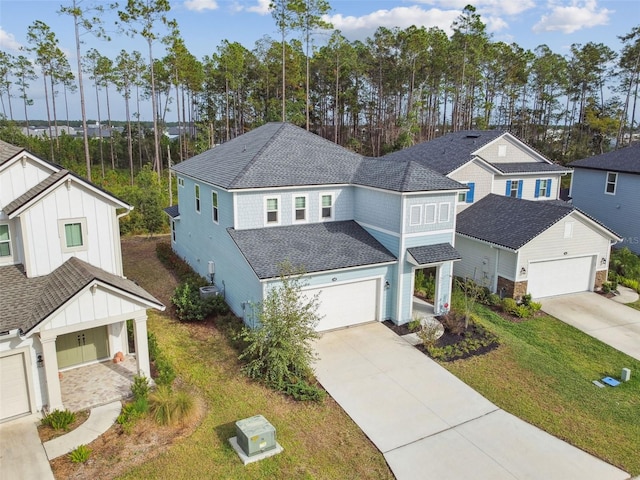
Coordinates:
8 41
262 7
201 5
573 17
491 7
402 17
495 24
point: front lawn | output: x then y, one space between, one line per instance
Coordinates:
542 373
319 440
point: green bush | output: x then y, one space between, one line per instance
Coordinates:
131 412
59 419
414 325
80 454
493 299
509 305
181 269
633 284
535 307
304 391
168 407
165 371
464 348
140 387
187 302
522 311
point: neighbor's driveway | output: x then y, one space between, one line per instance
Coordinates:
610 322
429 424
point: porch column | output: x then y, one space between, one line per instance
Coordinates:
51 372
142 345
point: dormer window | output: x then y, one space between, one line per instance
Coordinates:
5 241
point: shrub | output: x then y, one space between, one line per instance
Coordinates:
428 333
80 454
181 269
493 299
187 302
634 284
509 305
131 412
215 305
453 323
522 311
526 299
415 324
535 307
140 387
184 405
304 391
168 406
59 419
165 372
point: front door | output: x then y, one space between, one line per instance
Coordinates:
82 347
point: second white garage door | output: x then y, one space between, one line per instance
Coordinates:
14 390
347 304
558 277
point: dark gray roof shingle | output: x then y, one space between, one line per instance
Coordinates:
25 302
626 160
8 151
440 252
529 167
509 222
402 176
173 211
316 247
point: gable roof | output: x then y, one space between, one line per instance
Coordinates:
283 155
625 160
8 151
26 302
511 222
528 167
316 247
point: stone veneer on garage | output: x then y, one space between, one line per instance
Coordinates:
512 289
601 277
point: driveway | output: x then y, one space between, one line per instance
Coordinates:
429 424
608 321
21 453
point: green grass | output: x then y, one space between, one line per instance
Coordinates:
635 305
542 373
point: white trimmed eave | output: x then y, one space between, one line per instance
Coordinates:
335 270
289 187
23 156
519 144
491 244
413 261
480 160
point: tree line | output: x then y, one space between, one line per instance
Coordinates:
394 89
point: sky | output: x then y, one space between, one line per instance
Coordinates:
204 24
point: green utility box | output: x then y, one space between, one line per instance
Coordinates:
255 435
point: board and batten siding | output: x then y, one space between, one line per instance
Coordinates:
251 205
17 179
619 212
40 225
200 240
481 178
551 244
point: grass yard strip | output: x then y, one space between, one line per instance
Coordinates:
319 440
635 305
543 373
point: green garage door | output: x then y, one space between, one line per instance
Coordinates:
82 347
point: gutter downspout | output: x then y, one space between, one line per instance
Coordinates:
118 244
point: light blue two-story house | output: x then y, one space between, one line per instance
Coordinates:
358 226
607 187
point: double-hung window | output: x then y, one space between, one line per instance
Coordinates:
214 206
612 180
326 206
197 195
300 208
5 241
514 188
272 210
543 188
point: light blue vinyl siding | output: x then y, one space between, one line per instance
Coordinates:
377 208
388 241
431 208
619 212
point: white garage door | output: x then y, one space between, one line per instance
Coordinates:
14 390
346 304
557 277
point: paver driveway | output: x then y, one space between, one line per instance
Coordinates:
429 424
610 322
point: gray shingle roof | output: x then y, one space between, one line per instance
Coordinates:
25 302
445 154
626 160
529 167
440 252
509 222
402 176
34 191
173 211
8 151
316 247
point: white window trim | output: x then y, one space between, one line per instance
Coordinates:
516 184
615 183
197 197
440 206
415 220
278 210
63 236
333 206
215 209
544 187
180 182
427 207
294 209
8 259
173 230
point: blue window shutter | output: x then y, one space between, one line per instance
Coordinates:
548 187
520 188
537 188
508 191
472 187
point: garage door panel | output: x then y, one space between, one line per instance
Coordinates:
346 304
14 389
559 277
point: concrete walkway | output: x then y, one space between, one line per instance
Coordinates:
608 321
429 424
99 421
626 295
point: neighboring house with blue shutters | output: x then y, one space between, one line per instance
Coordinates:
359 226
491 161
607 187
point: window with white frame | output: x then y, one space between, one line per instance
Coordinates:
300 208
73 234
5 241
514 188
462 197
173 230
612 180
543 191
214 207
180 182
430 213
326 206
443 215
272 210
197 195
415 215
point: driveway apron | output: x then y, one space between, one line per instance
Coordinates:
610 322
22 455
429 424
